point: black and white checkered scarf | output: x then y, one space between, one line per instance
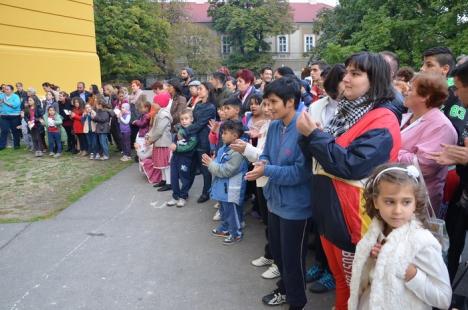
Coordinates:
348 113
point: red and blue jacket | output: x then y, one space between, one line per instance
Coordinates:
340 168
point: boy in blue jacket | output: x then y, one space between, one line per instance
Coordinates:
288 192
228 187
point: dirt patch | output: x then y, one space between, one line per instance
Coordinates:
34 188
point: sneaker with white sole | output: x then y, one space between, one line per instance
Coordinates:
51 154
271 273
217 216
262 261
216 205
171 203
181 203
275 298
97 156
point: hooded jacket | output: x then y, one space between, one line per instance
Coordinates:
160 133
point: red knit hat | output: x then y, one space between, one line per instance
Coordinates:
162 99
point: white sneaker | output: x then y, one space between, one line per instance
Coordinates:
217 216
171 203
51 154
262 261
181 203
97 156
216 205
271 273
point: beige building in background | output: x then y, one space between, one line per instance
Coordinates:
48 41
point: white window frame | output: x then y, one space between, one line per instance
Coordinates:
225 46
306 46
285 45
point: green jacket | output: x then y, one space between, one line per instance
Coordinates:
58 123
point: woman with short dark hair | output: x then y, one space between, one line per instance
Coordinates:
363 134
178 103
424 130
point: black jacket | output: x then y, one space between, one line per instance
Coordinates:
102 120
202 114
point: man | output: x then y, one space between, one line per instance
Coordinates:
221 92
81 92
266 75
10 110
457 213
440 60
287 193
394 63
283 71
316 69
186 75
22 94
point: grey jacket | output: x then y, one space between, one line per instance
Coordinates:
160 133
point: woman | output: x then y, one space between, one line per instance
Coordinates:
246 89
65 109
94 90
363 134
204 112
424 130
132 99
179 102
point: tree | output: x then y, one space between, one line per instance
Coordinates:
405 27
248 23
195 46
131 38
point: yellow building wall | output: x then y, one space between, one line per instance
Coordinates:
48 41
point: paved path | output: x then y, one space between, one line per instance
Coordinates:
119 247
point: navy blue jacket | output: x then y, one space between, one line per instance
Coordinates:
202 114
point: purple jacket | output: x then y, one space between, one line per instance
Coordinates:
420 138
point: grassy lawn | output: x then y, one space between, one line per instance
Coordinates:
34 188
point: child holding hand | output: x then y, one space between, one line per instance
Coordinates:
398 263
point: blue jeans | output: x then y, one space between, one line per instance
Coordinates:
9 123
91 140
230 220
104 143
54 142
180 171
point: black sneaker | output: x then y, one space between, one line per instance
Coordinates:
164 188
203 198
160 184
275 298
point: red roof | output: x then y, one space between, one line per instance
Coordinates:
302 12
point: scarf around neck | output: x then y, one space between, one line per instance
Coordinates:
348 113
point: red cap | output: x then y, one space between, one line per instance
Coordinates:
162 99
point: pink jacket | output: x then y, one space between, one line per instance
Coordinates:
420 138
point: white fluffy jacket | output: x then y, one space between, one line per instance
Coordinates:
410 243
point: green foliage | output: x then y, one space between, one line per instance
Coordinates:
249 23
405 27
131 38
195 46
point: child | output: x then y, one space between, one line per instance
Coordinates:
33 118
53 123
181 160
125 131
102 118
255 120
143 122
228 188
89 129
160 135
398 263
78 107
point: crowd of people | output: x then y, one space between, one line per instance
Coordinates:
360 158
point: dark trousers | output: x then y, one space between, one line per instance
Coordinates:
288 243
134 134
9 123
263 209
125 143
456 221
82 139
71 143
180 172
115 133
37 139
55 145
91 140
197 164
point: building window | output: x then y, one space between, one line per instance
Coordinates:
282 44
225 45
309 42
